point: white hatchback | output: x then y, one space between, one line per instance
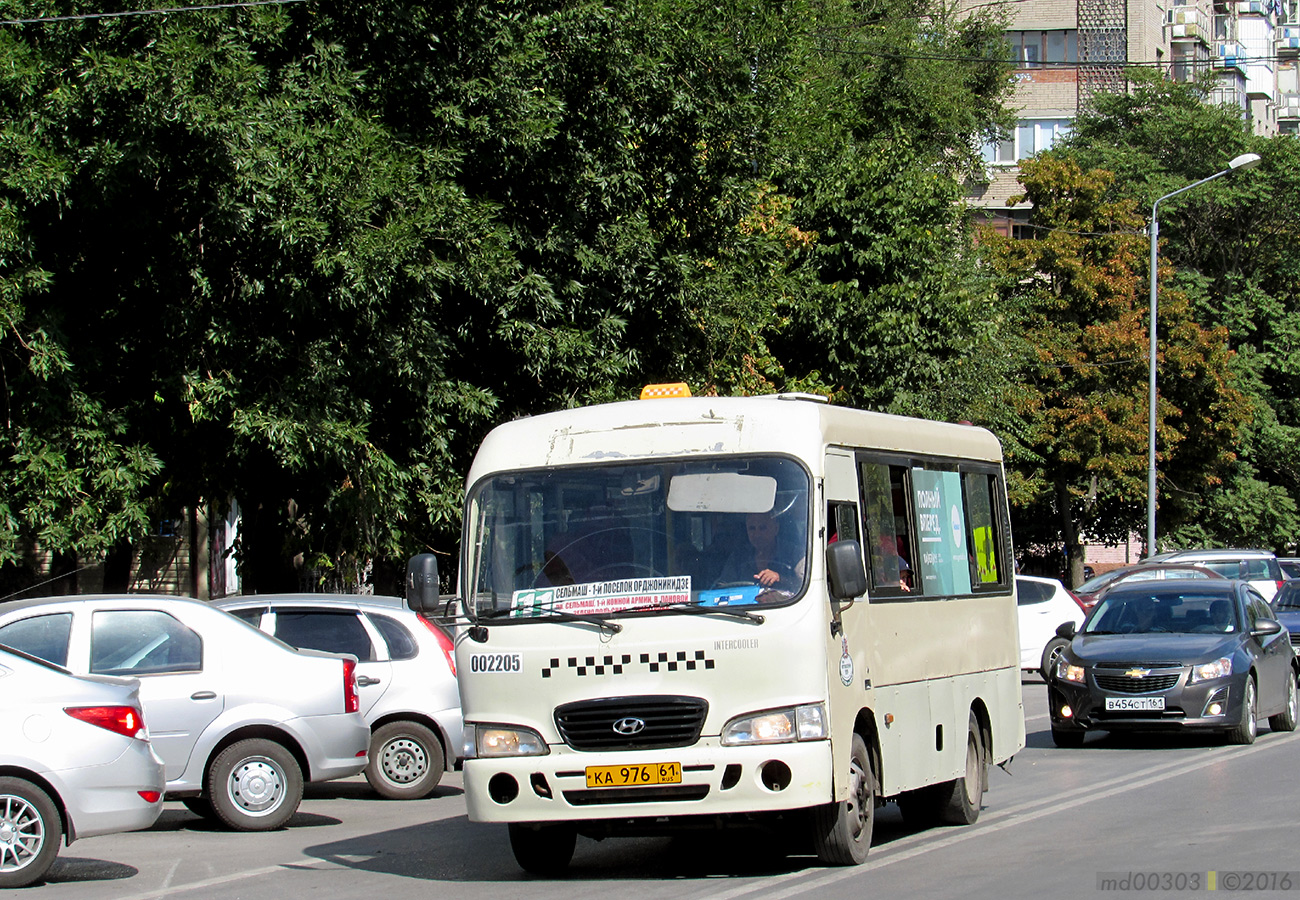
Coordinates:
406 671
239 719
1043 604
75 762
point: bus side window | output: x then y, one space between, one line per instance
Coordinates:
982 529
841 522
887 543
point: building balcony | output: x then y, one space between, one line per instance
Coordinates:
1230 55
1288 106
1266 8
1187 23
1288 39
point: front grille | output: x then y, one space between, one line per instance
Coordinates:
1295 639
1123 684
1138 665
668 722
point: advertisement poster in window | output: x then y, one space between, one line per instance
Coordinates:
941 529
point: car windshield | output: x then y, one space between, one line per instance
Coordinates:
1093 585
1150 612
635 538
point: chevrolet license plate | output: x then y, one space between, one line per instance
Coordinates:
632 776
1134 703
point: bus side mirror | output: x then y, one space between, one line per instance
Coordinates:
422 583
844 568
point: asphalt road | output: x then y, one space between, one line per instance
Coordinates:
1055 826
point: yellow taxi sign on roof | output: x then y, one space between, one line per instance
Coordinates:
659 391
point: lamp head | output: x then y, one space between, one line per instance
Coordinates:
1245 161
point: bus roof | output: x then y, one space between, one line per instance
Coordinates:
641 429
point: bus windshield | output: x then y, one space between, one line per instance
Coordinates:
629 538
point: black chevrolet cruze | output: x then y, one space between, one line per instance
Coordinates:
1175 655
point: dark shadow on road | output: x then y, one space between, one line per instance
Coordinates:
361 790
72 869
462 851
184 820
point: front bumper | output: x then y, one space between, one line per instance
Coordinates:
1187 707
715 780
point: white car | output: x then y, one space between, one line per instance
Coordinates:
1043 604
75 761
406 672
239 719
1259 567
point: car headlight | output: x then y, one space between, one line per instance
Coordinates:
777 726
506 740
1068 671
1220 668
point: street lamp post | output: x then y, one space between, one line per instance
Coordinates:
1245 161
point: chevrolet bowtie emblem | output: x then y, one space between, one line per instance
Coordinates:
1138 673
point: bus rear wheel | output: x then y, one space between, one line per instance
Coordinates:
543 849
842 831
965 796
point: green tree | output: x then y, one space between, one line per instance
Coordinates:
1231 243
880 140
1079 287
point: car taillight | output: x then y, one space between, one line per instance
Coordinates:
127 721
350 701
444 642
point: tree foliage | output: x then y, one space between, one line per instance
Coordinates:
1080 288
1231 247
306 255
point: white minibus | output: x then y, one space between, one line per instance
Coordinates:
694 612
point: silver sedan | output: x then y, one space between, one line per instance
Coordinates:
240 719
76 762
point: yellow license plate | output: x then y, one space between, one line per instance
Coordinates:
631 776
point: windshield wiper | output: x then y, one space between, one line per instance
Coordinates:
600 622
691 609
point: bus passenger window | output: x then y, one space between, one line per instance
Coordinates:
887 543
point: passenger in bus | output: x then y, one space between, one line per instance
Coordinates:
766 558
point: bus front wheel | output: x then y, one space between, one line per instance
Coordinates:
842 831
543 849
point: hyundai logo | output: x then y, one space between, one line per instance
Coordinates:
629 726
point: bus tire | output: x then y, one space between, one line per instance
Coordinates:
543 849
842 830
960 800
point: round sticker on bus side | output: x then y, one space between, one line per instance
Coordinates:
846 662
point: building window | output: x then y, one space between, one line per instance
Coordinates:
1031 136
1031 49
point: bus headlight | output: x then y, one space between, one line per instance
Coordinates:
505 740
778 726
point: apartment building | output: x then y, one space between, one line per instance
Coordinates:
1066 51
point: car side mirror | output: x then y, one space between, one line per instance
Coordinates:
422 584
845 570
1265 627
1066 630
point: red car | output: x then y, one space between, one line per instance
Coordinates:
1093 589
